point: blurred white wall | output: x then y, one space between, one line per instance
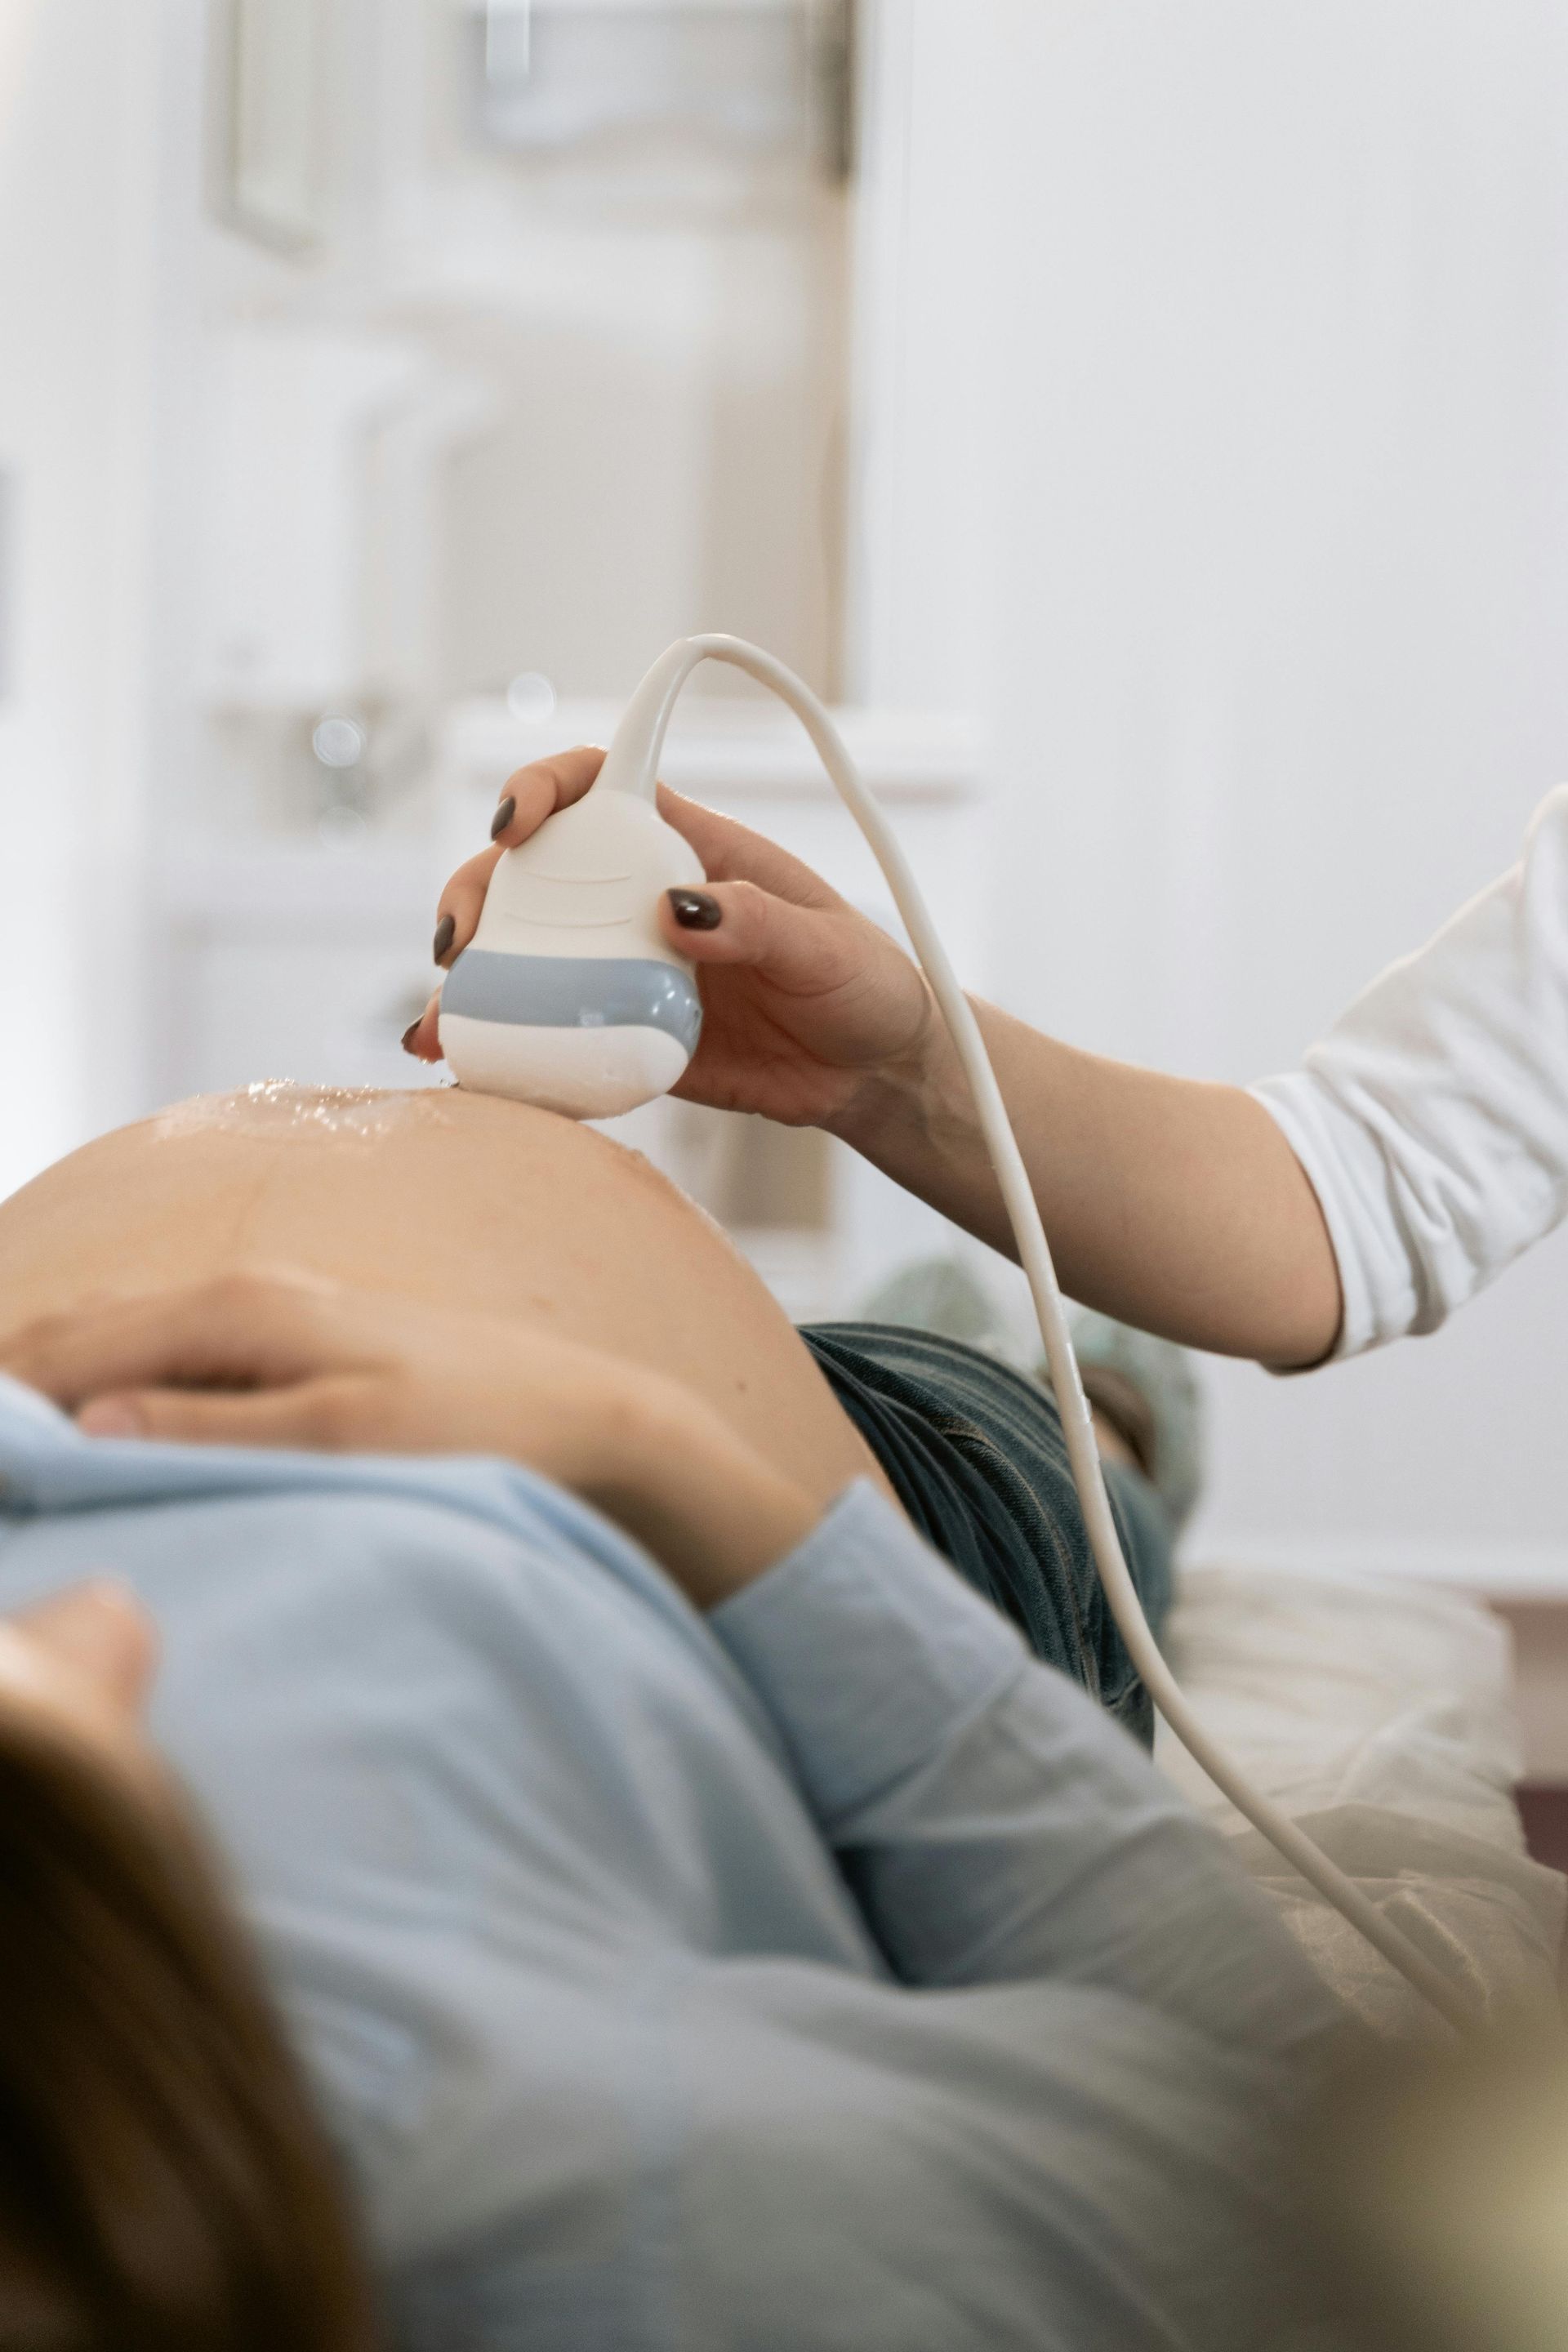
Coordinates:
77 333
1210 449
1245 332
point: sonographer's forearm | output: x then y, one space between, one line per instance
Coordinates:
1172 1205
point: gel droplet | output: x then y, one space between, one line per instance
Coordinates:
281 1107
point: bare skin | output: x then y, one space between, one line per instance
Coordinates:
466 1203
80 1665
287 1360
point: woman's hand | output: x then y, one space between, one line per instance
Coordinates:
806 1001
285 1361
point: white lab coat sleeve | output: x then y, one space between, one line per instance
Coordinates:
1432 1119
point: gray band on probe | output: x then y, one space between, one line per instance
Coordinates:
536 992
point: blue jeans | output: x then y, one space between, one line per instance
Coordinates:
976 1456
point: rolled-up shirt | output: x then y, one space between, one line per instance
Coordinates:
822 1973
1432 1119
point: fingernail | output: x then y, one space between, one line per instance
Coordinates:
407 1038
444 930
109 1417
694 910
503 817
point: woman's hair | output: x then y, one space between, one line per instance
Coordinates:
163 2185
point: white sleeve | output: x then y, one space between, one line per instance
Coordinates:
1433 1118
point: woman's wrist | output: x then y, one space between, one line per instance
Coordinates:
914 1117
675 1476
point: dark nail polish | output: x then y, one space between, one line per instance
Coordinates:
408 1034
503 817
444 930
694 910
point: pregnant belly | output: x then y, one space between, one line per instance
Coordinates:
462 1199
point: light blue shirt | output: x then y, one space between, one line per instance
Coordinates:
821 1973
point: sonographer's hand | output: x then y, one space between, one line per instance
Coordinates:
804 1001
272 1358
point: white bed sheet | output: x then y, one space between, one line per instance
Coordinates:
1379 1713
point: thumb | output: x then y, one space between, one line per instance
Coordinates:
308 1416
802 950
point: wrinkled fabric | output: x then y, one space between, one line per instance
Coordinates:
822 1973
1379 1714
975 1453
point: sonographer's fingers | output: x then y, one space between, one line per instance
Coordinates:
803 952
799 1001
536 792
528 797
421 1038
733 853
457 911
